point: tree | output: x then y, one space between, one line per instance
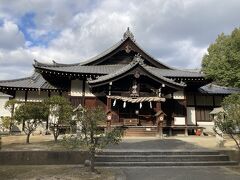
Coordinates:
222 62
92 137
10 105
6 122
60 113
31 114
228 122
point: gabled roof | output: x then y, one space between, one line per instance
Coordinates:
174 72
215 89
36 81
128 39
99 69
108 69
92 66
137 62
116 47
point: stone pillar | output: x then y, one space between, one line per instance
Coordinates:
160 128
159 121
109 114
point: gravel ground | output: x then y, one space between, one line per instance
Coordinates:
181 173
40 142
53 172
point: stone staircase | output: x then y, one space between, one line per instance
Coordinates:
162 158
140 132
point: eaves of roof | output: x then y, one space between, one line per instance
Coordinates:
36 81
215 89
132 65
98 69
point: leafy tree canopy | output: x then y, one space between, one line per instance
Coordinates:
92 138
60 111
30 111
228 122
31 114
222 62
60 107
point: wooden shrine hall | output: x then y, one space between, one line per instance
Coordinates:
139 93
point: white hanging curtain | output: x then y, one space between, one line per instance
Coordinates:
138 99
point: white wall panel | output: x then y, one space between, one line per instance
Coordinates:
76 88
191 116
178 95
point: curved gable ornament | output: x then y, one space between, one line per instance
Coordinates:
128 34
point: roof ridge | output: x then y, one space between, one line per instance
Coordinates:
175 69
19 79
224 87
152 56
103 53
54 64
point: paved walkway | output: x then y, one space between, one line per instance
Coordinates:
179 173
170 173
155 143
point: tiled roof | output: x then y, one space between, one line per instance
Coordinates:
98 69
35 81
104 53
114 47
174 73
115 73
215 89
134 63
108 69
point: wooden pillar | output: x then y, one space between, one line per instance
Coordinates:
60 93
195 105
109 105
83 92
26 96
186 117
158 106
170 131
47 122
159 120
49 93
186 131
25 99
160 126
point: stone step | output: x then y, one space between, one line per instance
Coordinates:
163 158
155 152
139 134
129 164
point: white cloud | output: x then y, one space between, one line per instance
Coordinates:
177 32
10 36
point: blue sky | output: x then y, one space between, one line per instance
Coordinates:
176 32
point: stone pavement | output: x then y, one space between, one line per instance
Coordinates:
155 143
174 172
178 173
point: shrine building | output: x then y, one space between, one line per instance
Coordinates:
139 93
